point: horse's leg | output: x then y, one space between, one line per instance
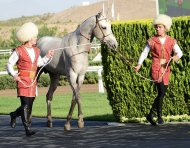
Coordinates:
69 116
80 115
54 79
72 80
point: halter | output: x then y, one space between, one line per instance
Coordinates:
88 38
97 25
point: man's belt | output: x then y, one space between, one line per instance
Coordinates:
27 73
163 62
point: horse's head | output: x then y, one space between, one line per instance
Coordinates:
103 31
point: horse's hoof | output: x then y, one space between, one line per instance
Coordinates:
80 124
67 127
49 124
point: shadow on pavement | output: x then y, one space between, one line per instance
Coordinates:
94 135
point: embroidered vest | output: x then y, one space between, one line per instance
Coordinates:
161 54
27 71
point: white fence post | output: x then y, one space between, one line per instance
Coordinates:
100 82
97 69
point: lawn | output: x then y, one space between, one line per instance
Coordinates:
95 106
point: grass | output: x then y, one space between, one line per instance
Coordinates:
95 106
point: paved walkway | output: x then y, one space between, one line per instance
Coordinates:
94 135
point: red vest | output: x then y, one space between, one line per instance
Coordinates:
158 52
27 72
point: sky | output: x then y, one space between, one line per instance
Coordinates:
18 8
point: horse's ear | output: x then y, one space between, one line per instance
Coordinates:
99 14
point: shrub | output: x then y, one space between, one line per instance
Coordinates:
131 96
7 82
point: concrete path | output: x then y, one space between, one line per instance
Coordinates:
94 135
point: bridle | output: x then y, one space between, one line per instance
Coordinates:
97 25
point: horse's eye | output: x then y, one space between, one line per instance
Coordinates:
103 27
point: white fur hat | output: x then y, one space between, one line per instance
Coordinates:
27 32
164 20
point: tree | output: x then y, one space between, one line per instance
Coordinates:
45 31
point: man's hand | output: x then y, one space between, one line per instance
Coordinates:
50 53
16 78
137 68
175 58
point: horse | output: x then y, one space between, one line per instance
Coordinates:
71 59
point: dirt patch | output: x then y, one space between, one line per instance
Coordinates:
59 90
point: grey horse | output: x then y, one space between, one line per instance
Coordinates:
71 59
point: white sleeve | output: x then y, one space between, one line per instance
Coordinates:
42 61
177 50
11 63
144 54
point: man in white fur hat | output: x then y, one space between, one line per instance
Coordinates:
27 58
161 46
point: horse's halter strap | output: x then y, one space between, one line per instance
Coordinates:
88 38
97 24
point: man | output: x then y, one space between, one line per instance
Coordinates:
27 58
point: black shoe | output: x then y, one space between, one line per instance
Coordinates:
13 120
150 119
30 133
160 120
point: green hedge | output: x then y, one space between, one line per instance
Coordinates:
131 96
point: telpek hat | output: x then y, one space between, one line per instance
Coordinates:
27 32
164 20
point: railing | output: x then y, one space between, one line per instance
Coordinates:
97 69
96 46
9 51
5 51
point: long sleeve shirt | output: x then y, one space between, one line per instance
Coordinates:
14 58
146 50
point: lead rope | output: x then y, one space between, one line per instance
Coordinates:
159 77
63 48
94 44
130 64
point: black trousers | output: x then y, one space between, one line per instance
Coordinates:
157 105
26 102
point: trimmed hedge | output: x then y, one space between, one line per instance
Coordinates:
129 95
